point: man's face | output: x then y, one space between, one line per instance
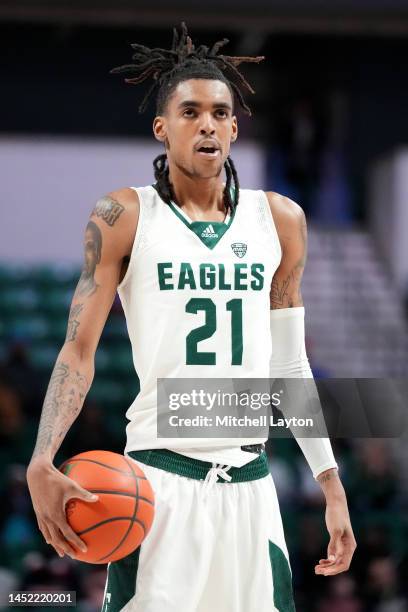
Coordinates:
198 127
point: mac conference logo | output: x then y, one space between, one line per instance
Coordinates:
239 248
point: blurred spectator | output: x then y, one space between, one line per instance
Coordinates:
372 480
312 540
18 372
333 203
301 147
16 438
89 432
319 370
17 530
49 575
284 479
93 585
342 596
383 591
8 582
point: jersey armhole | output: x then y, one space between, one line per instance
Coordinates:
271 224
136 241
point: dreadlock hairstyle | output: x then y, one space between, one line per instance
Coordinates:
167 68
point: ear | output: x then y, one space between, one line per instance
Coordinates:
159 128
234 129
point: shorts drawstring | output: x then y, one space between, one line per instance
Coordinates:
212 476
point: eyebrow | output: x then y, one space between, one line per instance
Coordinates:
195 104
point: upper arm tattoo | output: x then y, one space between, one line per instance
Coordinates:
108 209
285 292
93 250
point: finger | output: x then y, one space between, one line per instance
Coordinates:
44 530
335 563
329 561
47 536
59 550
320 569
58 541
326 562
332 560
70 535
342 564
332 571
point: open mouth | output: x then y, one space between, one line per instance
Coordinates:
208 151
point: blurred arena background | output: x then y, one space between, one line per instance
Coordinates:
329 130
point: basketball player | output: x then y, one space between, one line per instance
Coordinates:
172 251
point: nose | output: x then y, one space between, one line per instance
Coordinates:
207 125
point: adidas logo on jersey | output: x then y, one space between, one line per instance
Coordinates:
209 232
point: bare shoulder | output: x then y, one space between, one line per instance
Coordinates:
117 214
113 205
289 217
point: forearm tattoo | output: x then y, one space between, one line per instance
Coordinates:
73 322
93 250
279 293
326 476
64 399
108 209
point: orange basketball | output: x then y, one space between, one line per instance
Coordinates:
116 524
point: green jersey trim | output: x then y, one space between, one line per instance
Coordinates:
209 232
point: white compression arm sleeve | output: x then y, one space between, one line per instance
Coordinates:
289 360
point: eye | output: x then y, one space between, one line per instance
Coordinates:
189 112
221 112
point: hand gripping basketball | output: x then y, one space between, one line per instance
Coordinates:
50 491
118 522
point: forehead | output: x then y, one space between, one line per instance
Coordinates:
203 91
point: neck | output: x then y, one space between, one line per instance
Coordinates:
199 197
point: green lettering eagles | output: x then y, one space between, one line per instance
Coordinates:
211 276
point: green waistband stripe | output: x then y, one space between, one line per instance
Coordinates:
194 468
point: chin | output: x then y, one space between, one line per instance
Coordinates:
209 173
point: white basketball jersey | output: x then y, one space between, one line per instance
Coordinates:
196 301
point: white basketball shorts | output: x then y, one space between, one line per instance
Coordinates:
216 543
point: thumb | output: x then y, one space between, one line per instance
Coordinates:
81 493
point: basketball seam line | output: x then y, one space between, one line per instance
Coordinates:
133 519
148 501
109 467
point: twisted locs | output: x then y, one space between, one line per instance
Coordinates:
167 67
